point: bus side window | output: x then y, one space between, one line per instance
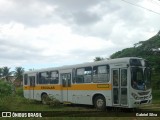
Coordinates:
95 73
25 79
88 75
101 73
73 75
79 75
44 78
69 80
84 75
32 81
123 77
54 77
64 80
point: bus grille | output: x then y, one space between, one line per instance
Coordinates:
143 93
144 101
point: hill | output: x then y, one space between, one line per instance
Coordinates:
149 50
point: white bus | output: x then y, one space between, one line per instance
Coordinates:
122 82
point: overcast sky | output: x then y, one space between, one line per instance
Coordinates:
47 33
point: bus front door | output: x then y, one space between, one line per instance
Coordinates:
66 84
119 89
32 80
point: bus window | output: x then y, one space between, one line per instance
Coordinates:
66 79
54 77
115 78
101 74
84 75
137 78
44 78
123 77
25 79
32 81
69 80
73 75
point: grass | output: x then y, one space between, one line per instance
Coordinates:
17 102
156 96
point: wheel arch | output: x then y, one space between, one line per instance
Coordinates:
43 93
95 95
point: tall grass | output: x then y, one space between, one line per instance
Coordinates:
19 91
156 96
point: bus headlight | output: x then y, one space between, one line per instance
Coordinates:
135 96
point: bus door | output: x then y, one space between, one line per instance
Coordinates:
65 77
119 89
32 81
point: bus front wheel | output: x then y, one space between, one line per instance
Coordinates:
100 102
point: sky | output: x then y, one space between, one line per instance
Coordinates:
38 34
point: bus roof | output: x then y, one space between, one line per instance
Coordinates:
110 61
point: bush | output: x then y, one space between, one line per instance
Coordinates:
53 102
19 91
6 88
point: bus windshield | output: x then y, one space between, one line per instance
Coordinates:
140 78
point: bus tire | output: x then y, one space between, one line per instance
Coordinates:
45 99
100 102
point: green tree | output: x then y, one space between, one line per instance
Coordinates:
6 88
6 73
1 72
98 59
19 73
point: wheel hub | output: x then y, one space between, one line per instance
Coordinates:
100 103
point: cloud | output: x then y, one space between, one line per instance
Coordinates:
57 32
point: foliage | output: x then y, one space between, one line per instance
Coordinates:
6 88
19 73
5 73
1 72
156 95
53 102
98 59
149 50
19 91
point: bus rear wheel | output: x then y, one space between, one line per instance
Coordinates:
45 99
100 102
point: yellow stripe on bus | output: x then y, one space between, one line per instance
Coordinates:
72 87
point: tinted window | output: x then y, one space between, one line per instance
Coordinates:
135 62
25 79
